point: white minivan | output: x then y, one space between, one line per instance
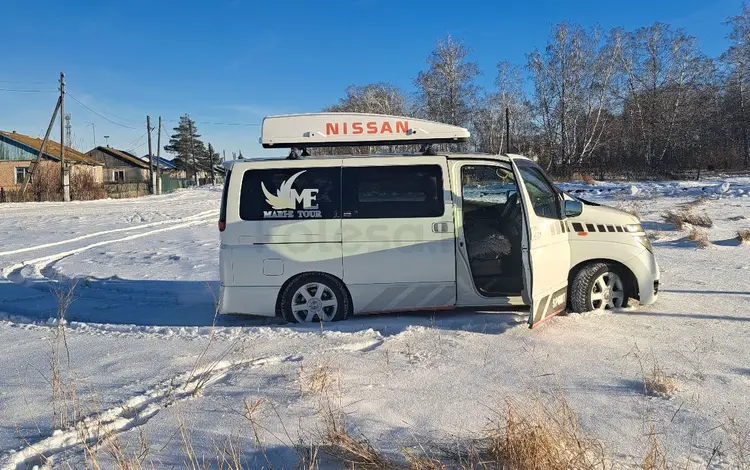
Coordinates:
320 238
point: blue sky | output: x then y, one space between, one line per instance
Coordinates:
235 61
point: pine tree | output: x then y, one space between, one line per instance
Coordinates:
185 144
210 157
209 160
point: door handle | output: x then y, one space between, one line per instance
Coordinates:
442 227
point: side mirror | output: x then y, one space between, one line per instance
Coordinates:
573 208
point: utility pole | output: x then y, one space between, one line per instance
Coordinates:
33 166
507 130
151 179
64 173
158 159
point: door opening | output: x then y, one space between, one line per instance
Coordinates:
492 225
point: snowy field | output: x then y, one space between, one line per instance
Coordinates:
148 364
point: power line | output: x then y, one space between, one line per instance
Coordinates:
26 82
20 90
100 115
133 149
135 142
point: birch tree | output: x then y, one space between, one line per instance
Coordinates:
489 120
737 59
573 90
663 68
446 91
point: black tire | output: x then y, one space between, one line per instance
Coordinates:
582 287
331 286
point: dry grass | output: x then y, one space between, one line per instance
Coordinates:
699 236
658 383
739 434
694 204
46 185
540 437
634 212
83 187
743 235
589 179
319 379
355 452
65 404
547 436
655 458
634 208
688 217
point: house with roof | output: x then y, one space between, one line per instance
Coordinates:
18 152
120 166
166 167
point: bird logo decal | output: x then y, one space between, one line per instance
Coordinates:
285 197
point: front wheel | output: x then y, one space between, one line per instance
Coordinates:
598 286
314 297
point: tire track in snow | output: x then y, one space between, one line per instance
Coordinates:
13 272
134 412
200 215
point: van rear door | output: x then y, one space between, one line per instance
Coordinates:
545 245
288 221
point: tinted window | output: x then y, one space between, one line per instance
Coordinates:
224 193
379 192
291 193
544 199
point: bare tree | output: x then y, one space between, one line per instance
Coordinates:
377 98
663 68
573 82
638 103
489 123
737 59
446 91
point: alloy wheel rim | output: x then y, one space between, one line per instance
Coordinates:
607 292
314 300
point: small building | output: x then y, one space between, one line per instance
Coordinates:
18 152
120 166
166 167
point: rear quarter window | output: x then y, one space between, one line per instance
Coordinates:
224 194
291 193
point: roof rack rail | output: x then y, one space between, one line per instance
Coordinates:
302 131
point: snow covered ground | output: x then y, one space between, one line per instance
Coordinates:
147 360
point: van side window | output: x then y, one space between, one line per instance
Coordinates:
544 199
485 185
391 192
291 193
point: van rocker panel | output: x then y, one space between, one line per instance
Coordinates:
371 298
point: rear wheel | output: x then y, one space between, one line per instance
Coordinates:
598 286
314 297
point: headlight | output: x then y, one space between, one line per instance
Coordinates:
644 240
634 228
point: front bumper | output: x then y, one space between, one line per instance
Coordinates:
647 274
